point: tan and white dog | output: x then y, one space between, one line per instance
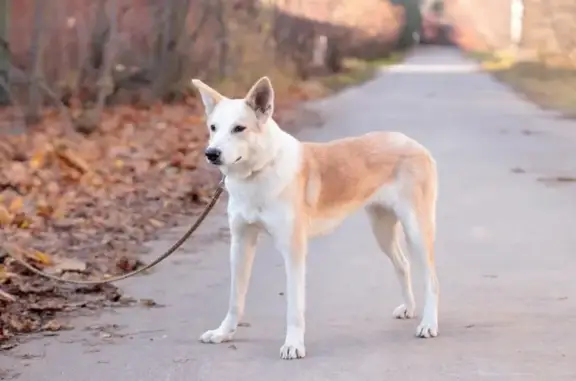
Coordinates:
294 190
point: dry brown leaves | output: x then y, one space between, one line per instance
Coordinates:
80 207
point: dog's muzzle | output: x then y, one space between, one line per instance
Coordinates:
214 155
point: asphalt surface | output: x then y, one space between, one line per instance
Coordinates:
506 260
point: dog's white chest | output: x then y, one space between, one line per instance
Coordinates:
254 204
251 213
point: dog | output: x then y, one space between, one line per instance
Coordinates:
296 190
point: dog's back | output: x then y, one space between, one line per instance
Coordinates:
344 174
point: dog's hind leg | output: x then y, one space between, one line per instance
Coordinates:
385 228
418 221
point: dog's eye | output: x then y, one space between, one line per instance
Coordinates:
212 127
237 129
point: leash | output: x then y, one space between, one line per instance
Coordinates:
17 255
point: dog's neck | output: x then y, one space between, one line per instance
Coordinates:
278 142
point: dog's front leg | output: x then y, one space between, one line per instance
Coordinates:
242 249
294 249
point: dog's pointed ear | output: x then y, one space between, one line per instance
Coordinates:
260 98
210 97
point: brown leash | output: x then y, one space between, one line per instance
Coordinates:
12 252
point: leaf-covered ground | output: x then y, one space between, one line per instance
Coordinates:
80 206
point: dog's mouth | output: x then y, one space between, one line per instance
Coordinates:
219 162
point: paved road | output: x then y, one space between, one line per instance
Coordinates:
506 261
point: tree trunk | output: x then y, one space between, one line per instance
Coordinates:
35 98
223 39
105 84
412 22
170 31
4 49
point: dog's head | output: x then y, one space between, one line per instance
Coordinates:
237 126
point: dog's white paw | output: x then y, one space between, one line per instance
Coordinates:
216 336
427 328
403 312
291 351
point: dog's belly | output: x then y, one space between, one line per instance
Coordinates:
323 226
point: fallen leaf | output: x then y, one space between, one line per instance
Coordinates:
53 326
5 275
6 296
150 303
40 257
47 305
156 223
37 160
22 324
7 346
72 159
21 220
16 174
62 265
6 217
16 205
43 209
128 264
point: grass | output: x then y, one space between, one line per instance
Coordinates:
550 83
480 55
356 71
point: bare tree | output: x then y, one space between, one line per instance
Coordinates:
105 83
223 42
35 98
4 49
103 55
171 31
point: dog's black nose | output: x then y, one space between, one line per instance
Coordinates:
213 154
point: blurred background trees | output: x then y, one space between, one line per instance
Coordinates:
86 54
412 27
4 63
